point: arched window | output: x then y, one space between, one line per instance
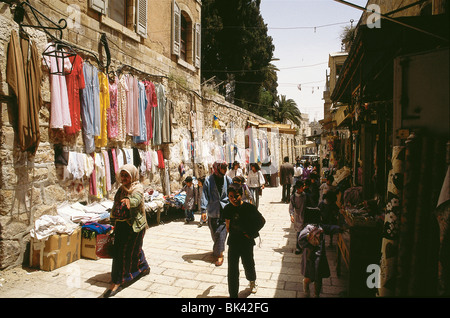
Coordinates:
186 38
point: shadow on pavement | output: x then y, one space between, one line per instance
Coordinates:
207 257
206 293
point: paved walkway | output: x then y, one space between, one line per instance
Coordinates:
182 266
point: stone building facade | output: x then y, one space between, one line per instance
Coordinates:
153 40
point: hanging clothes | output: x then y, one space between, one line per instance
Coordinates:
73 167
120 158
122 89
102 139
155 161
148 161
90 106
185 146
132 106
93 178
115 160
88 164
143 167
24 76
158 114
389 245
166 128
107 170
100 175
136 122
160 159
112 168
128 155
60 112
137 161
152 102
142 103
75 82
113 110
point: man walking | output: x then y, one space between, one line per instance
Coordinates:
214 199
286 175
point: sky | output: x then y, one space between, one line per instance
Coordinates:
303 50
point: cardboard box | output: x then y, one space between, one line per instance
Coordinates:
57 251
88 247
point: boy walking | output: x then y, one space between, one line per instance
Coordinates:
189 203
243 222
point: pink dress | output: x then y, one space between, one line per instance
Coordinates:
132 106
122 90
60 111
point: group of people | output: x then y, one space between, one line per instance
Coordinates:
314 212
229 205
252 186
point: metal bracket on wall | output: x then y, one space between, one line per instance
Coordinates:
19 14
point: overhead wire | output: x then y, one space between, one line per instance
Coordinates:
275 28
264 69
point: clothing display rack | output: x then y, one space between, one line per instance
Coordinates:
19 14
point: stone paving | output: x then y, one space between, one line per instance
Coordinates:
182 266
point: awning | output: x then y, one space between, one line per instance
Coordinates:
370 60
311 145
342 115
327 124
254 123
282 128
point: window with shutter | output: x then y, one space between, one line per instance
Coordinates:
98 5
176 29
117 10
197 45
141 18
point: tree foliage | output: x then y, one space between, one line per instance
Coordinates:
286 109
237 51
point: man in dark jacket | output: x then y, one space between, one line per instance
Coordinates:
286 175
243 222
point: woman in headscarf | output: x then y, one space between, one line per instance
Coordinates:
214 199
129 220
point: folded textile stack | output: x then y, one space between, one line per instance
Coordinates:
154 202
91 229
48 225
177 201
80 213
